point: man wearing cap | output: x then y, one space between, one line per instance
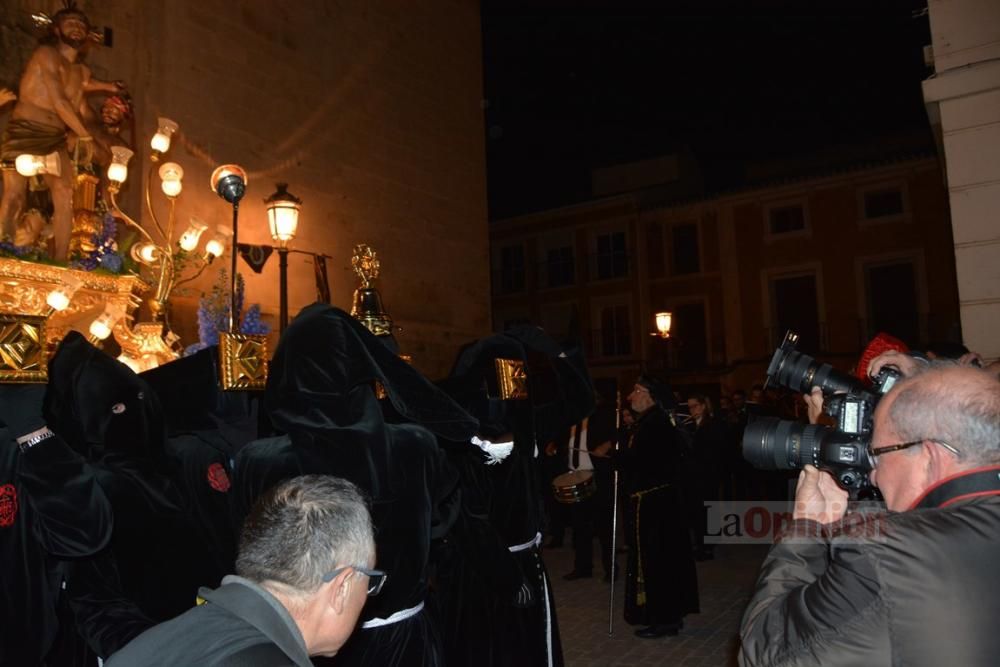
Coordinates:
661 585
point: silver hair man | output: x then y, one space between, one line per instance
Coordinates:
304 571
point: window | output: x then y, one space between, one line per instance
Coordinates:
883 203
612 257
511 269
686 258
654 250
689 336
794 303
892 300
616 333
786 219
559 269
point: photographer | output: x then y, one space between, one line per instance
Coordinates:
917 585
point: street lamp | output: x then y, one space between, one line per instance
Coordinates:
283 221
663 320
229 181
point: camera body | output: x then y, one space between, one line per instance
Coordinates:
775 444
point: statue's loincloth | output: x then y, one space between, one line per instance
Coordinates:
30 137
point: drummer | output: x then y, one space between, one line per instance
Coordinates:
589 444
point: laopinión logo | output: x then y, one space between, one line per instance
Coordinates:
765 521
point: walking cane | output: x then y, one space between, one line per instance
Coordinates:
614 515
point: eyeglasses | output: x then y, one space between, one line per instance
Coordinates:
879 451
376 578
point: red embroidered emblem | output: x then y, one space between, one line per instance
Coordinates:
217 477
8 505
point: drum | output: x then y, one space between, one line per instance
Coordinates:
574 486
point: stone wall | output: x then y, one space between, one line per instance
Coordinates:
369 109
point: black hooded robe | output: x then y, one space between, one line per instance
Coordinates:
320 391
51 508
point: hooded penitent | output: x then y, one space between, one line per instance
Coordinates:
492 558
320 392
205 428
113 417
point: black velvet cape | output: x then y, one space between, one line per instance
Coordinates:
320 392
51 508
502 506
206 426
152 568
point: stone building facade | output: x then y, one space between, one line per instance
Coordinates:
838 257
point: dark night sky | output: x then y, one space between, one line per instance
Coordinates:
574 85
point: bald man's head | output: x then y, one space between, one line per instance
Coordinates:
956 404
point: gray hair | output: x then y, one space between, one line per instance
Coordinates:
302 529
956 404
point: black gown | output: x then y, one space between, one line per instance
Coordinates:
51 508
493 550
152 568
320 391
661 584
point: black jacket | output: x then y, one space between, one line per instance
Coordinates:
914 588
240 625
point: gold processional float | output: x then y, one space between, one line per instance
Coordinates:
40 303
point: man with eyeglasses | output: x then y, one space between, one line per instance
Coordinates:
917 585
303 573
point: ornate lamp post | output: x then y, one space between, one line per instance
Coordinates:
283 221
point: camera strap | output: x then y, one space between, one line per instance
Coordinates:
971 484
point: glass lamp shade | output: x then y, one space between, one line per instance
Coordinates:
171 188
59 298
165 129
283 214
106 321
118 169
189 239
31 165
146 253
229 182
217 245
171 174
663 322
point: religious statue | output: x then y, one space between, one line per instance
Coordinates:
48 118
367 302
365 264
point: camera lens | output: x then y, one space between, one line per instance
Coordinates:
776 444
800 372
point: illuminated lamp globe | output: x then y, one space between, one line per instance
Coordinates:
283 214
189 239
165 128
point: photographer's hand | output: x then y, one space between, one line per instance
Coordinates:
818 497
906 364
814 404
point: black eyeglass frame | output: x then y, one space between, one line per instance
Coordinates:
376 578
874 452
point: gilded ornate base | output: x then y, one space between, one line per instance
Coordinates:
147 346
24 286
243 361
23 356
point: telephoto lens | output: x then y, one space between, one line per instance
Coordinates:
800 372
775 444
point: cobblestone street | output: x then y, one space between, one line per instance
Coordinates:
708 638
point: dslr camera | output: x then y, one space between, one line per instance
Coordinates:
776 444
